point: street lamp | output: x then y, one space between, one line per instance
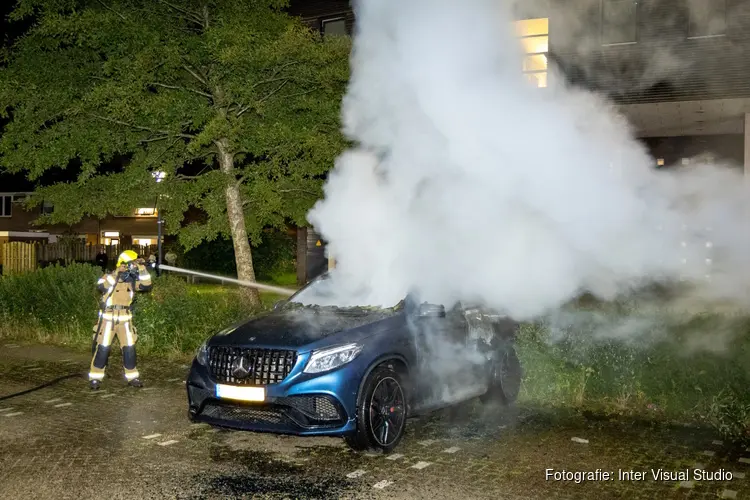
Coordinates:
158 176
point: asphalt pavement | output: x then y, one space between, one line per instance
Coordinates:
64 441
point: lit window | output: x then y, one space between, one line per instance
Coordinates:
111 234
660 162
707 18
145 211
619 21
334 27
534 34
143 241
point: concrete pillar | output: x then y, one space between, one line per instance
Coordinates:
747 144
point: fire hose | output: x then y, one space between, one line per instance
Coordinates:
251 284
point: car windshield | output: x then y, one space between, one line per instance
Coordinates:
326 291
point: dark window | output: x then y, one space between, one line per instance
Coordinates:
707 18
6 205
335 27
619 21
47 207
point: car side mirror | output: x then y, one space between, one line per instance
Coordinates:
279 304
431 311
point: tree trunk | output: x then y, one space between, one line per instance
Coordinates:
242 252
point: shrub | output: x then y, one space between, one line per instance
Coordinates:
59 305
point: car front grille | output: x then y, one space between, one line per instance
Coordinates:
263 366
259 415
294 412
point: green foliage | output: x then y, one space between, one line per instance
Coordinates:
51 297
274 256
60 305
151 85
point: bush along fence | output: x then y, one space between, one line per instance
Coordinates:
18 257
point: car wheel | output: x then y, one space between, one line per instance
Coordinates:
381 411
505 382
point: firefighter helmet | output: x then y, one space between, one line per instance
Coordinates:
126 256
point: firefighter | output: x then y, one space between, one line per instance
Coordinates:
116 318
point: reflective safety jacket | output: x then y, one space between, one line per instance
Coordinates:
118 288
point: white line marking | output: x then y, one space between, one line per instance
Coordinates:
357 473
428 442
63 404
97 392
6 409
167 443
709 453
745 460
728 494
12 346
173 380
717 442
420 465
395 456
108 396
579 440
382 484
53 400
147 389
13 414
151 436
373 455
686 484
35 369
738 475
452 449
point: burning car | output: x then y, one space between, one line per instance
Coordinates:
354 372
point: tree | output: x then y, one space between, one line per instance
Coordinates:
237 102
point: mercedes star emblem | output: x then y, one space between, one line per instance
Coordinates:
241 367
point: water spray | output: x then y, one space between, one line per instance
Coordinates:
251 284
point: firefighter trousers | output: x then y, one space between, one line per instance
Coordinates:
113 323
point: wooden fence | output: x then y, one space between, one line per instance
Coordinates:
18 257
23 257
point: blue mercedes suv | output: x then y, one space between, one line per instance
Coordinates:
354 372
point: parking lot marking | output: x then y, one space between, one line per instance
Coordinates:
709 453
395 456
95 393
108 395
357 473
167 443
382 484
173 380
373 455
728 494
579 440
63 404
420 465
151 436
738 475
53 400
717 442
686 484
745 460
6 409
35 369
15 414
428 442
452 449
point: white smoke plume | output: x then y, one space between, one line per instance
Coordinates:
467 183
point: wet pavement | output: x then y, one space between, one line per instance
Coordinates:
64 441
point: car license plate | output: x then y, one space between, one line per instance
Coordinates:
254 394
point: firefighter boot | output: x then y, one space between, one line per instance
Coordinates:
95 384
135 383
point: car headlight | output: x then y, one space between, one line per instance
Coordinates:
202 354
332 357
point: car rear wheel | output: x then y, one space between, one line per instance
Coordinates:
381 411
505 381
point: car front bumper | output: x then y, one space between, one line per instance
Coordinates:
305 405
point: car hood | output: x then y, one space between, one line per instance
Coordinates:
293 327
